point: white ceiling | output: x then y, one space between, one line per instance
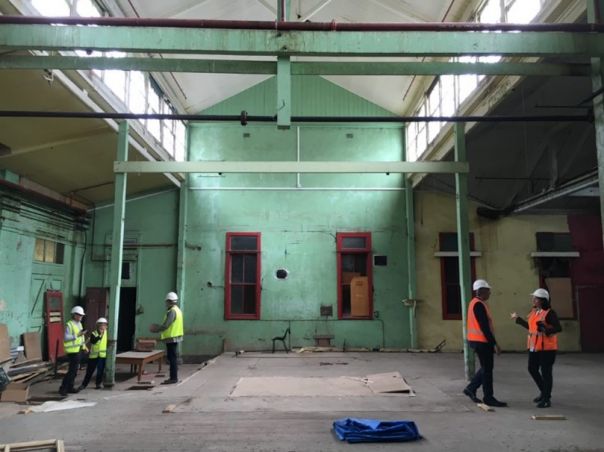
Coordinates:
196 92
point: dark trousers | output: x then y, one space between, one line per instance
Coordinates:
172 350
484 375
72 371
97 364
540 365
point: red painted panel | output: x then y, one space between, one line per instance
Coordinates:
591 313
53 315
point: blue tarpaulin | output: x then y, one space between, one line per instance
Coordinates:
356 430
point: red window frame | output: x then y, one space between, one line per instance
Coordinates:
228 315
340 236
443 285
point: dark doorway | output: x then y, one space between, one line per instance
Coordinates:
126 326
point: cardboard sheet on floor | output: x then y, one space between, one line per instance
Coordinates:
4 343
32 344
389 382
47 407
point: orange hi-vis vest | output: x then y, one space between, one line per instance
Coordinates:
538 341
475 334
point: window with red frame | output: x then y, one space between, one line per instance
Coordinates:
242 276
449 273
355 284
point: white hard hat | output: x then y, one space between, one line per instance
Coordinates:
102 320
171 296
480 284
541 293
78 310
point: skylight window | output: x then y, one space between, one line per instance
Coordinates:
86 8
522 12
51 8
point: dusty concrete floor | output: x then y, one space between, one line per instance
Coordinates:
210 417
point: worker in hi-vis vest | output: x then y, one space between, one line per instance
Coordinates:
74 341
98 354
481 338
543 325
172 331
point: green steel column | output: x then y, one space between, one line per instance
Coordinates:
595 9
463 242
182 228
411 270
119 213
284 92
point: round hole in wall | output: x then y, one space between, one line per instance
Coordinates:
281 273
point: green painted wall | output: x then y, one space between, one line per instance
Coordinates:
298 227
151 221
23 281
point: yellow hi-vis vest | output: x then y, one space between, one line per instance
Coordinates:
176 328
99 350
75 345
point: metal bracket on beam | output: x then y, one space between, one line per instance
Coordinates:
259 167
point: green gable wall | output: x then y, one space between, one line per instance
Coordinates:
298 227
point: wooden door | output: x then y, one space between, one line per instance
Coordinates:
97 302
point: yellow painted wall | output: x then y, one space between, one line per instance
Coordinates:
506 264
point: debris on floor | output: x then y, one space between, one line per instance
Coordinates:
485 407
47 407
355 430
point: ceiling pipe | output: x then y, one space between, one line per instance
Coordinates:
244 118
283 25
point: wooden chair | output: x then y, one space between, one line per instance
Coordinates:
282 339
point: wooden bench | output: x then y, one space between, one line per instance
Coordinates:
139 359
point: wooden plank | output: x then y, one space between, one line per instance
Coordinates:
548 417
4 343
485 407
390 382
32 344
31 445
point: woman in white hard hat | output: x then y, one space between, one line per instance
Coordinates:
98 354
543 325
73 343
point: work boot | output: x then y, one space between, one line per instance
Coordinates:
471 395
73 390
63 391
538 399
99 386
170 381
494 402
544 403
81 388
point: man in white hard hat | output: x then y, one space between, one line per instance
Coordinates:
98 354
172 331
74 342
481 338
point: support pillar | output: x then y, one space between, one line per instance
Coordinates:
117 243
411 301
595 12
463 243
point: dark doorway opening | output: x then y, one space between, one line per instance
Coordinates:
127 321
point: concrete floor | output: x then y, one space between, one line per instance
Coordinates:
210 417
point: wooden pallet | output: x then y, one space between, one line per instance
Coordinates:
51 444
